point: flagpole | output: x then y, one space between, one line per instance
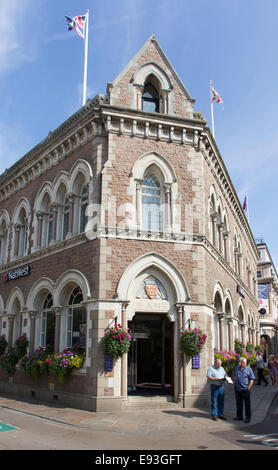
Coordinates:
248 218
85 60
211 107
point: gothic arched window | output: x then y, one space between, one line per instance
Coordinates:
151 203
150 99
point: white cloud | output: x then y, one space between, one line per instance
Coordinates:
13 51
11 148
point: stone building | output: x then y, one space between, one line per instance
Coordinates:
268 298
126 213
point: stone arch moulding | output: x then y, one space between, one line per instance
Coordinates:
16 293
80 166
218 289
4 216
22 203
158 262
151 68
43 284
153 158
46 188
228 297
72 276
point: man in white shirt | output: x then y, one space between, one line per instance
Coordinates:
216 376
260 368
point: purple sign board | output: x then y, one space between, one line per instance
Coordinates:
108 362
196 362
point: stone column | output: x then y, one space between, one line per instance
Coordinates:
124 357
180 356
139 183
214 219
17 236
11 330
230 333
168 205
58 314
39 228
220 228
32 316
225 241
220 320
71 203
54 208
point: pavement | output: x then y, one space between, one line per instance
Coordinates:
169 428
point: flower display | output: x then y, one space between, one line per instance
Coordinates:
3 345
34 363
43 360
12 355
193 341
62 363
21 345
230 359
9 361
117 340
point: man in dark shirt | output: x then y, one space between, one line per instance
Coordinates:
243 379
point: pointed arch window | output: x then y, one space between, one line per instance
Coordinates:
84 200
21 234
66 211
151 203
150 99
3 242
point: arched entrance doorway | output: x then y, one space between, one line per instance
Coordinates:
151 356
153 289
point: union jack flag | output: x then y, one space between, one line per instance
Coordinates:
77 22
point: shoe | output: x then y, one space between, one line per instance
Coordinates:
247 420
238 419
214 418
222 417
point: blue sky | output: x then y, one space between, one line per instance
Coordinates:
231 42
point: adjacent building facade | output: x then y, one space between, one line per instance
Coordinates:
126 213
268 298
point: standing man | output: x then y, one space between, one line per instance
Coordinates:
243 379
216 377
260 368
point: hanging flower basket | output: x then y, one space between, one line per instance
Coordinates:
192 341
117 340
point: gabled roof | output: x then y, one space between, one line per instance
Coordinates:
152 40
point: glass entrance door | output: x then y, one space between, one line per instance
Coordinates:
149 359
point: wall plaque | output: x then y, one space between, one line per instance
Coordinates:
108 362
196 362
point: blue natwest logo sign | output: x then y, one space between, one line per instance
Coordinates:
19 272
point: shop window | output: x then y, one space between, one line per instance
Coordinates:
48 324
76 320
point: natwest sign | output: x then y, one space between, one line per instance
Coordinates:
19 272
240 290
